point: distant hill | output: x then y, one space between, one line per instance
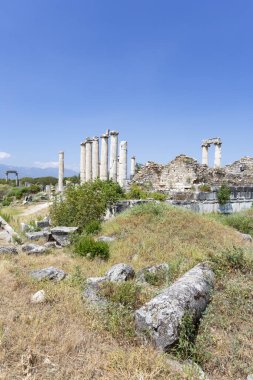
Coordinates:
34 172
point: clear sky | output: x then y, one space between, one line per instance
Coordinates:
164 73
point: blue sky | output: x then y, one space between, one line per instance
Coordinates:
165 74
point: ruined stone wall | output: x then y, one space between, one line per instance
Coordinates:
184 172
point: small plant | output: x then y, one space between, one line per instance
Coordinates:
223 195
185 347
205 188
76 278
8 218
231 260
88 247
17 239
127 293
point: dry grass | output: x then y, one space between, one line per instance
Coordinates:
64 339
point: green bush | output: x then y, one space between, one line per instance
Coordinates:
88 247
240 222
136 192
223 195
158 196
18 192
93 227
232 260
84 204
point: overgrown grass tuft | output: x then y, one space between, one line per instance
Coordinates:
88 247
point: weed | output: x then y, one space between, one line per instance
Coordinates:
88 247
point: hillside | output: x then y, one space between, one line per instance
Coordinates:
65 339
34 172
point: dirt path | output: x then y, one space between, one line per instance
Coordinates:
35 209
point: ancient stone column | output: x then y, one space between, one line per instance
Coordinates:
61 171
114 155
95 158
123 163
83 162
133 167
88 168
217 156
104 158
205 154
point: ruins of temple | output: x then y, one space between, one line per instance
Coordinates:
104 165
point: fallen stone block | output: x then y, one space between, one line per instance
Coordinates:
61 234
160 318
91 291
49 273
120 273
35 235
31 249
8 249
43 223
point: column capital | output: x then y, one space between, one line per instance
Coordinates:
83 143
95 138
104 136
114 133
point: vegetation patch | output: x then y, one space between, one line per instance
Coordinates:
88 247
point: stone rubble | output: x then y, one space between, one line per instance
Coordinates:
33 249
8 249
49 273
38 297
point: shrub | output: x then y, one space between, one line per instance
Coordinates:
88 247
93 227
158 196
84 204
231 260
185 347
136 192
240 222
223 195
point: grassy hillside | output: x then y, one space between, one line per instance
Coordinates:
64 339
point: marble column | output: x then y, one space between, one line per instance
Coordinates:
123 163
83 162
113 155
205 154
88 159
133 167
61 171
217 156
104 158
95 158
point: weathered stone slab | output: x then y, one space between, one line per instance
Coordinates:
35 235
120 273
8 249
91 291
107 239
161 317
49 273
36 249
63 230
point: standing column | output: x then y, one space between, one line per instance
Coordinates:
95 158
217 156
83 162
104 157
61 171
133 167
88 168
205 154
123 163
114 155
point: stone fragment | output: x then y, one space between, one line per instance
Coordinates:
91 291
250 377
25 227
35 235
246 237
157 270
38 297
43 223
107 239
49 273
8 249
50 244
33 249
120 273
161 317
